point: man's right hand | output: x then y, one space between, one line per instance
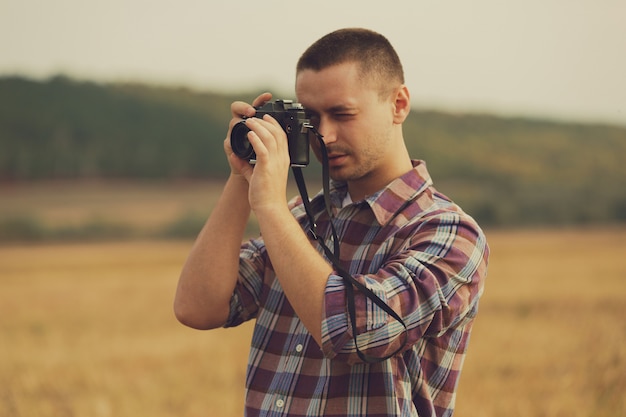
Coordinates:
241 110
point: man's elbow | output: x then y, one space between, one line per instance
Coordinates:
191 317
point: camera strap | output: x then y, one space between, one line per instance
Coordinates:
334 256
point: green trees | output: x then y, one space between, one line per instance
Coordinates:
504 171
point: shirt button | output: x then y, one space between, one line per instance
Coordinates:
299 348
280 403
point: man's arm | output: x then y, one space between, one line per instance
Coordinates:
300 269
209 276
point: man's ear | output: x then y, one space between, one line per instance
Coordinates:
401 104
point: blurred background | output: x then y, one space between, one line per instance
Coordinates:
112 117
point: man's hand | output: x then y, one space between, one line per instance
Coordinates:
267 179
239 111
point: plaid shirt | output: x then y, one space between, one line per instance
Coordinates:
417 251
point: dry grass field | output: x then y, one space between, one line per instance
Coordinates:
88 329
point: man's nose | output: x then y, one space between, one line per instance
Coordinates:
328 132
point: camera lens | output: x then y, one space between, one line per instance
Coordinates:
239 142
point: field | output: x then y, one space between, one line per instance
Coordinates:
87 329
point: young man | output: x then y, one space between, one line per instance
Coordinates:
399 237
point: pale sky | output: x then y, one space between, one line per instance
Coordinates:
546 58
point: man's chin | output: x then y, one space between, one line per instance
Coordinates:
340 174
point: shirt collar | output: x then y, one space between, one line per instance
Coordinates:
387 202
390 200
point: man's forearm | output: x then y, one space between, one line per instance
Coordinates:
301 270
210 273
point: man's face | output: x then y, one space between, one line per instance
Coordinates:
357 125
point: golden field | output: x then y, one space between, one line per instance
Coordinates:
87 329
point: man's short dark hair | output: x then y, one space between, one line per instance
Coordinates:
373 53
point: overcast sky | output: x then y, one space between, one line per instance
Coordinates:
550 58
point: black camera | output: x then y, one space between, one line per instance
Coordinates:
291 117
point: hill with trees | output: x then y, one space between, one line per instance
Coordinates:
503 170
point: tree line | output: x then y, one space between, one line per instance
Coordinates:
503 170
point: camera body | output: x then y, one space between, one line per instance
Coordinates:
291 117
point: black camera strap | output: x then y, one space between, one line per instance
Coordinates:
350 282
